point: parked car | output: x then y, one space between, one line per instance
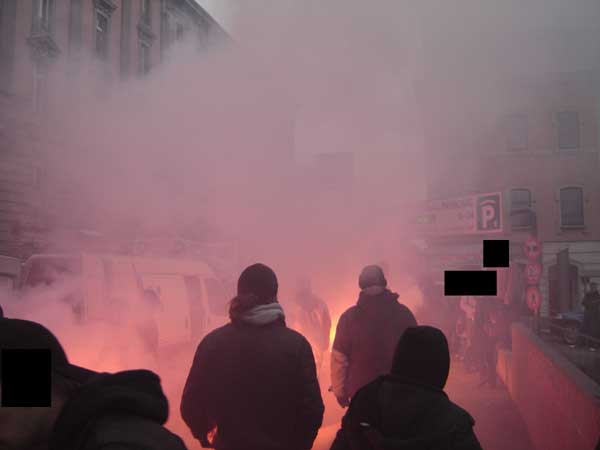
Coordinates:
567 325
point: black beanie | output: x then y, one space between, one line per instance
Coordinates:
24 334
422 356
372 276
258 280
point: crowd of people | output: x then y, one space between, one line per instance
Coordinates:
476 327
253 383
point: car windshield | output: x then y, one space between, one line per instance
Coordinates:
217 297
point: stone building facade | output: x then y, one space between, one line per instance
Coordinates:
45 43
539 148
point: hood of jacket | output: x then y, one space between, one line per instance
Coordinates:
422 356
129 393
376 297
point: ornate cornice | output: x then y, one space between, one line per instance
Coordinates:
105 6
145 33
43 45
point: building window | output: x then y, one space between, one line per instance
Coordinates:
571 207
144 58
179 32
146 12
75 25
125 36
521 215
101 35
39 87
43 12
517 131
8 21
568 130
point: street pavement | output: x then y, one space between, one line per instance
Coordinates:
498 424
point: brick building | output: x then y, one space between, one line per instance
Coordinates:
44 43
510 104
541 152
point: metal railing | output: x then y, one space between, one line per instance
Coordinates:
579 348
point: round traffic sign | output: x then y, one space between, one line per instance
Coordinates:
534 298
533 273
533 248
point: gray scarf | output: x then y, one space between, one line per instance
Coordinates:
263 314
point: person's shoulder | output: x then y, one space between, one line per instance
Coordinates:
349 313
459 416
220 331
131 431
292 335
217 335
403 310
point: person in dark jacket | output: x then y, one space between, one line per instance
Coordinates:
89 410
408 409
253 382
490 339
313 319
591 315
148 326
366 335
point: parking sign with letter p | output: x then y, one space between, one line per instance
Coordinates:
489 213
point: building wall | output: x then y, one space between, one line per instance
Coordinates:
541 167
35 69
488 163
541 379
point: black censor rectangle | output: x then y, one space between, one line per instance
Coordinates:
496 253
25 377
470 282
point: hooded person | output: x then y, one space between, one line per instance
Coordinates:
408 408
312 319
253 382
591 316
88 410
366 335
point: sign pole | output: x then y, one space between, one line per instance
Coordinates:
533 251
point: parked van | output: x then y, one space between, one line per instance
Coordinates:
10 271
191 300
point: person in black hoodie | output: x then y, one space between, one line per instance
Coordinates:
408 409
89 410
366 335
253 382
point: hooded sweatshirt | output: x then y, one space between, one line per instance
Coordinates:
366 336
254 382
126 410
408 409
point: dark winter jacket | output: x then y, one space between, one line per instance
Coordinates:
257 385
122 411
404 416
367 334
591 316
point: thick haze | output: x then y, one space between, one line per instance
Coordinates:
223 143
